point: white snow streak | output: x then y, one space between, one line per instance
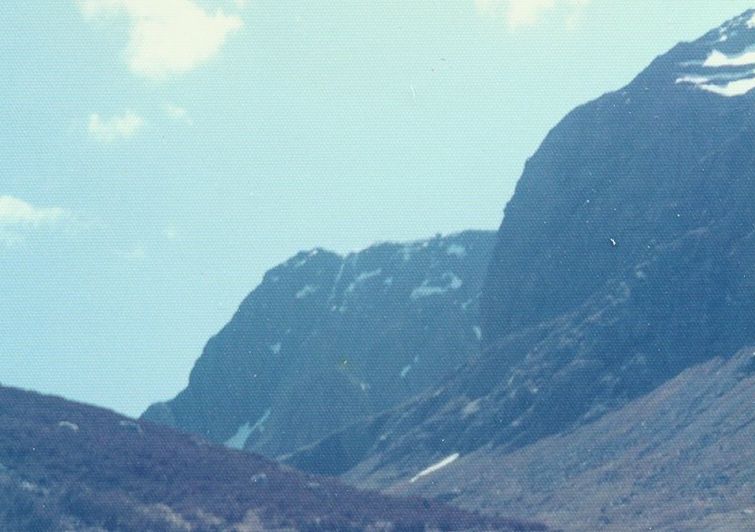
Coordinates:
362 277
307 290
435 467
456 250
426 290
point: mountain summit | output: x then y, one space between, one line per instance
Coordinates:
728 65
625 256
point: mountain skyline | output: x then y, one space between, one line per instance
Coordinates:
145 192
325 341
617 321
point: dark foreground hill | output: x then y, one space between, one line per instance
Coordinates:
326 340
66 466
625 257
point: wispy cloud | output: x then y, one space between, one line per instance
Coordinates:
117 127
18 217
14 211
167 36
525 13
177 113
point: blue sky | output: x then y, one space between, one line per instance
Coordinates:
158 156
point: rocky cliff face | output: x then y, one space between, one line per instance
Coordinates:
630 239
624 257
326 340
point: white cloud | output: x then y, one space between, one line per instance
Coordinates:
117 127
17 216
167 36
523 13
14 211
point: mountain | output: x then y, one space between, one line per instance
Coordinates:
67 466
326 340
625 257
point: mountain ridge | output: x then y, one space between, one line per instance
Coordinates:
326 339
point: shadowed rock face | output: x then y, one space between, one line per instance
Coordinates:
624 257
326 340
629 239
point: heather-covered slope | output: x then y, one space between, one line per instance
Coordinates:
326 340
66 466
625 256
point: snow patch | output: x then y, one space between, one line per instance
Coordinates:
456 250
238 440
408 250
68 425
362 277
306 291
335 283
695 80
732 84
301 262
726 75
427 290
368 275
435 467
719 59
471 408
739 87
